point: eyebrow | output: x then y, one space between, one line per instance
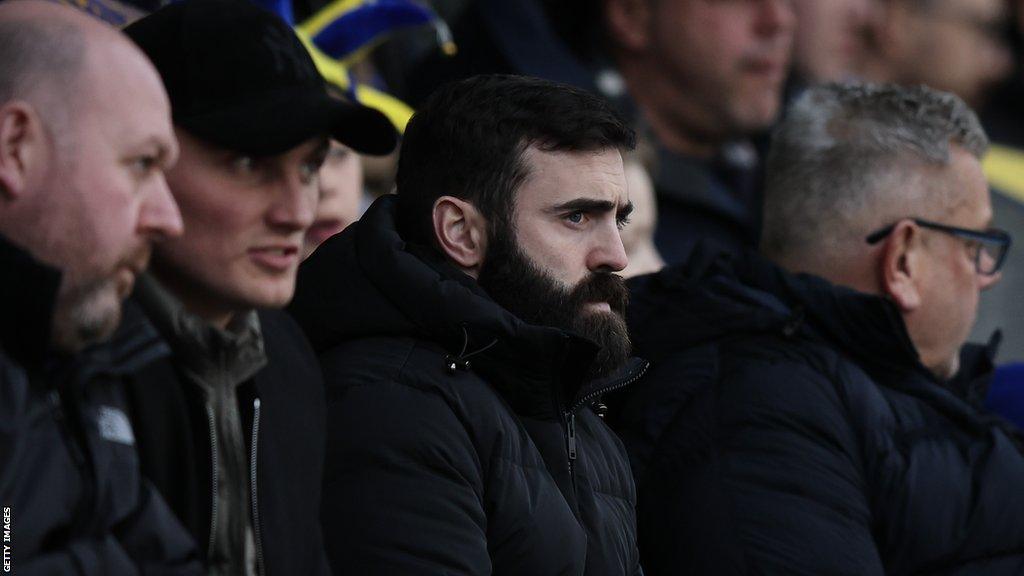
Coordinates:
594 206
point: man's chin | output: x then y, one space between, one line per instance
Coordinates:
87 318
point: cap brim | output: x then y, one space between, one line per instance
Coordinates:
364 129
277 122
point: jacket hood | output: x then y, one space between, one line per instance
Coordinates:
716 294
367 282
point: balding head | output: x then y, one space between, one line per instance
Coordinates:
85 133
49 52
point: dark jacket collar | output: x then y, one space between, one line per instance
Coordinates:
27 298
716 295
368 282
27 302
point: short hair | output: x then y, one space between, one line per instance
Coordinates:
846 156
42 62
469 138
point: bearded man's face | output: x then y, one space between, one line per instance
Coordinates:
522 288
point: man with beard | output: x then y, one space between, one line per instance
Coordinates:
82 198
467 329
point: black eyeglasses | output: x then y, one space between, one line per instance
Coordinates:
988 247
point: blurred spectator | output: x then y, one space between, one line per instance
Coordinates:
638 234
466 328
231 426
341 183
811 411
341 195
953 45
830 39
82 197
706 75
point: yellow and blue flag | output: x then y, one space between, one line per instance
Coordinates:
344 32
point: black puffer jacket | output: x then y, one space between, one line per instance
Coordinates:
460 440
72 496
788 427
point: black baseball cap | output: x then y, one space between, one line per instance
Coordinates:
238 77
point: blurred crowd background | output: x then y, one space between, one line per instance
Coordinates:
704 81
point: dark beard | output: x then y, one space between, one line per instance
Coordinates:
521 287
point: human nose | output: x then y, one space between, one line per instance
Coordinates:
159 214
608 254
295 207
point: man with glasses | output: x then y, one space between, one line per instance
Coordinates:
812 409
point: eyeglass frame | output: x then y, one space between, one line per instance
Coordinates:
996 236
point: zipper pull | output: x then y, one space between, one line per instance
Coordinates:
571 429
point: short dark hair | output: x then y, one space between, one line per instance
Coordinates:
469 138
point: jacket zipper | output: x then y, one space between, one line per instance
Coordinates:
78 455
252 480
570 432
213 452
583 401
570 418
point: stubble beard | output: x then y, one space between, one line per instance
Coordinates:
89 310
85 314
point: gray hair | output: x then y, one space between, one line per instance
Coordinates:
42 62
850 157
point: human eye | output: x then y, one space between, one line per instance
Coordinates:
145 164
622 222
576 217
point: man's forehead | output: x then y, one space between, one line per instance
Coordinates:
561 174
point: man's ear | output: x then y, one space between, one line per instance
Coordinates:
461 232
903 265
628 22
21 145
